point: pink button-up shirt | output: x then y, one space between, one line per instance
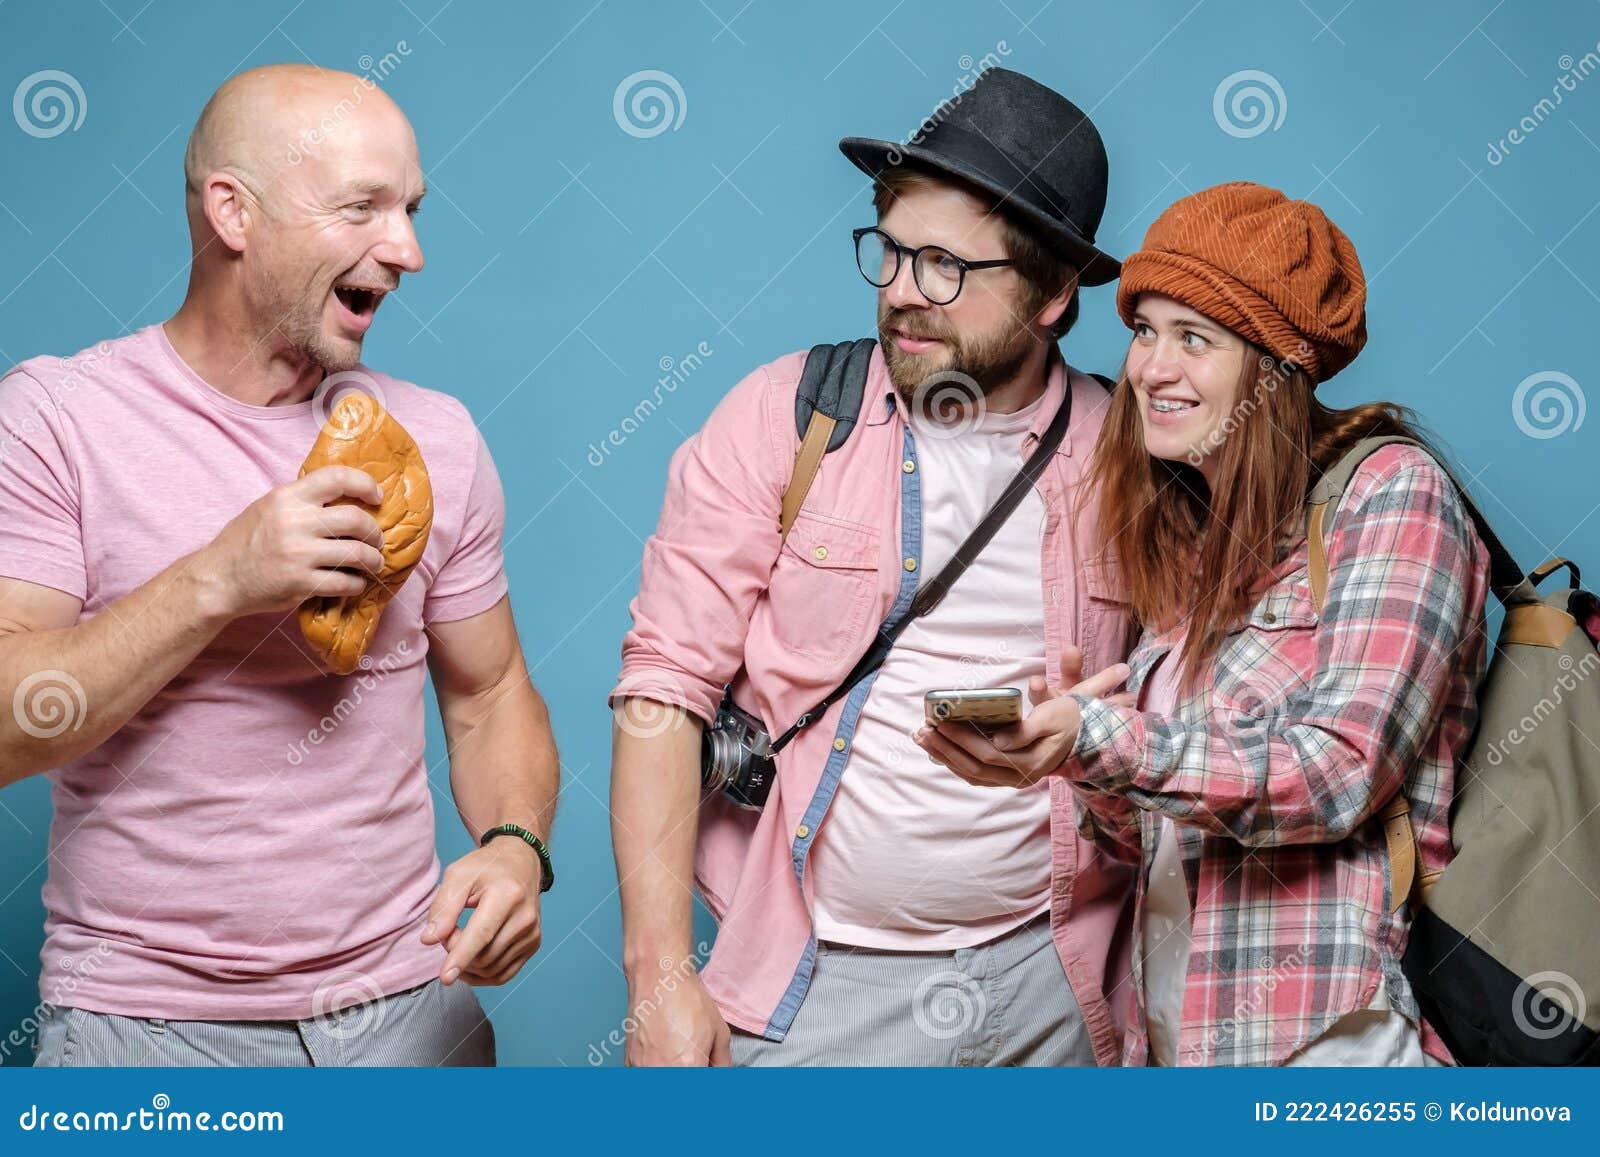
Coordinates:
722 601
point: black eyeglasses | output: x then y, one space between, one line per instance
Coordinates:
939 273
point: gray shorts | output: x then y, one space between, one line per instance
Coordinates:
431 1025
1006 1002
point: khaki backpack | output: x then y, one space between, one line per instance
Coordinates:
1504 953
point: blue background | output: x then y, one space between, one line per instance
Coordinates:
567 259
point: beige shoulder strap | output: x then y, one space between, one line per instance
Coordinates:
812 448
1398 833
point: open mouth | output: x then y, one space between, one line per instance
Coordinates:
1171 405
361 301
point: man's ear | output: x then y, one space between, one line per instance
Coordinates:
1052 310
227 207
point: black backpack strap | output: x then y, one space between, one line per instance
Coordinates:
932 592
833 383
826 408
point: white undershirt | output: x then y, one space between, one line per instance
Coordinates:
912 857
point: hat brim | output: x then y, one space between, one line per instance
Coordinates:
871 156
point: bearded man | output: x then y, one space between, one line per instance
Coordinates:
877 910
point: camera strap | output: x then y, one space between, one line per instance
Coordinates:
932 592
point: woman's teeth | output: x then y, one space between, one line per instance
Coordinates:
1166 406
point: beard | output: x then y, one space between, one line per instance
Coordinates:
295 316
990 359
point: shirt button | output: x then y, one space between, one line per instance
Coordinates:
909 466
838 745
1269 617
821 553
802 832
911 564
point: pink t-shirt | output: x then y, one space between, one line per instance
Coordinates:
257 842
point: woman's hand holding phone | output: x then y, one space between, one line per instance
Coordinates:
1023 753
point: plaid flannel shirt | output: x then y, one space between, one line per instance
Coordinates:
1276 767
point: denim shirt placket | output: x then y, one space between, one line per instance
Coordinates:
839 753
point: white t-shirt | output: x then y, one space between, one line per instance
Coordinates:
1375 1036
911 856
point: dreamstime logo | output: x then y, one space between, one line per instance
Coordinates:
311 136
335 389
971 71
1547 1004
61 989
978 671
952 400
371 674
948 1004
1248 103
674 372
349 1004
646 706
78 367
1565 684
49 703
1573 73
48 103
1548 404
648 103
1273 374
1271 973
670 974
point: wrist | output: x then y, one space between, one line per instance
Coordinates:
645 962
208 593
532 842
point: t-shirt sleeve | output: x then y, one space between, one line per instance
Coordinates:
473 578
41 531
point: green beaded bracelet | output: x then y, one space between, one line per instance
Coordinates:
534 842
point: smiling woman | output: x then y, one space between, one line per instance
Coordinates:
1265 732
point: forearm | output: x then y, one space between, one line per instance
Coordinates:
655 797
503 762
1284 782
120 659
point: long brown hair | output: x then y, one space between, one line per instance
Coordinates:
1191 554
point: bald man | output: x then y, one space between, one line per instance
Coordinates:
242 865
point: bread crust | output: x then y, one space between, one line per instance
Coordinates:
359 432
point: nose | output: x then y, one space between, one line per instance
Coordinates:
400 248
1160 365
902 292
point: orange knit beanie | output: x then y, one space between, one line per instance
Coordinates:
1275 271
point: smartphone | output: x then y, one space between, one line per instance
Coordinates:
990 706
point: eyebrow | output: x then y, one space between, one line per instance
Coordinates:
366 187
373 188
1186 321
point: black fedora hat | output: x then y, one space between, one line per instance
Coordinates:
1024 144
